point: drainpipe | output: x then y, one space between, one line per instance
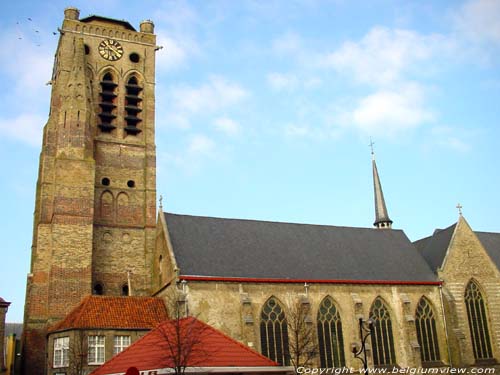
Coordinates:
445 324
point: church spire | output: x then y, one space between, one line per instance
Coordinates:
382 220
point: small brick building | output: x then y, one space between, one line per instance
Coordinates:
99 328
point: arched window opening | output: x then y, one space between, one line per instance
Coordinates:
125 290
425 324
160 269
381 334
123 213
330 337
108 107
478 322
133 108
98 289
107 208
274 332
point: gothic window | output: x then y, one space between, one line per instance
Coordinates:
330 337
108 95
478 321
381 334
425 324
274 332
133 106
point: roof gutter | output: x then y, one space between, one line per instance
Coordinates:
302 281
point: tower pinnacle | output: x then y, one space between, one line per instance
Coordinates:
382 220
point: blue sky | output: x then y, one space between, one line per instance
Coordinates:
265 110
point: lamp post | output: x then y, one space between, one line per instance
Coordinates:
365 331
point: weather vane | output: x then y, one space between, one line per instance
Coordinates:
371 146
459 206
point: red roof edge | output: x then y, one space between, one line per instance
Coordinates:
301 281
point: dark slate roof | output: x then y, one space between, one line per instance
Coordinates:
14 329
491 242
124 23
206 246
433 248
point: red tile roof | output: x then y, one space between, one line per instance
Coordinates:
210 348
105 312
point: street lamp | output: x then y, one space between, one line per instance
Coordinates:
365 330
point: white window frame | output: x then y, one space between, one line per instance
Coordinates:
61 347
96 346
121 342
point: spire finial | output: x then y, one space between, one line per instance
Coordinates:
459 206
371 147
161 202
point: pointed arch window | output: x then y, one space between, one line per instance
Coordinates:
107 103
381 334
274 332
425 324
330 337
478 321
133 109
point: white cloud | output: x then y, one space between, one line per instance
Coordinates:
383 55
200 145
26 128
318 132
279 81
479 20
28 62
389 113
287 43
216 94
174 52
227 126
450 138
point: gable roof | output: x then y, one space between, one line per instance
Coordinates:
434 248
94 17
207 246
491 242
105 312
212 349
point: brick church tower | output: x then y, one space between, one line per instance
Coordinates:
95 210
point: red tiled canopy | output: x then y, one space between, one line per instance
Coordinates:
210 349
105 312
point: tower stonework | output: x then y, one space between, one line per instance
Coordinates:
95 209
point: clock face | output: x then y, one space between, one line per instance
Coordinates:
110 49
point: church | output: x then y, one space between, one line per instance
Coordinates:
431 303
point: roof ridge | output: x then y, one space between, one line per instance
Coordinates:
277 222
81 306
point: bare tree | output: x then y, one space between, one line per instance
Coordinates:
182 336
303 344
77 353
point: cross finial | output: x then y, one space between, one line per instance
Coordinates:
161 202
371 147
459 206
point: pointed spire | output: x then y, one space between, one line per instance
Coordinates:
382 220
